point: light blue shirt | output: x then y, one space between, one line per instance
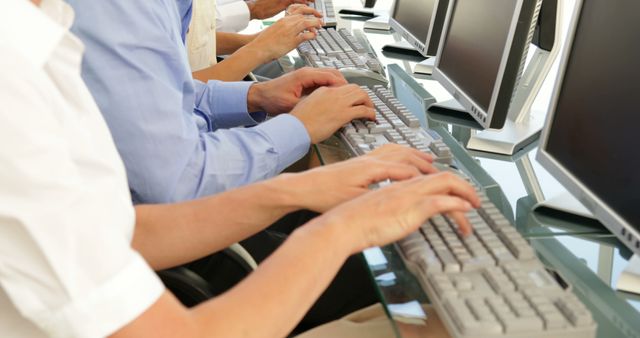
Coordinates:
167 127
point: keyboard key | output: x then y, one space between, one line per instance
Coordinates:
575 311
443 286
463 284
449 262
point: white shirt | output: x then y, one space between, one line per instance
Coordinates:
67 268
201 38
232 15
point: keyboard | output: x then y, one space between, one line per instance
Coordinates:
491 283
487 284
394 124
339 49
325 7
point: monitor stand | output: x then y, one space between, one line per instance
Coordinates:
450 105
367 13
424 67
402 47
565 203
629 280
379 20
451 112
380 23
508 140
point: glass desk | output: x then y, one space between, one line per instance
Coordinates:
580 251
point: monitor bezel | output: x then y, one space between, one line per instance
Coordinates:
484 117
607 216
421 46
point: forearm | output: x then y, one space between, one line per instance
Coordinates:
233 68
229 43
281 291
170 235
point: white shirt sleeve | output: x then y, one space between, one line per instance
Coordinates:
232 15
66 262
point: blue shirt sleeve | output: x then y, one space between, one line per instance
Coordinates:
168 129
225 103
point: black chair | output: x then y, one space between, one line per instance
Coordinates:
192 287
186 285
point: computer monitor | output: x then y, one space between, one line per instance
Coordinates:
590 141
483 53
420 22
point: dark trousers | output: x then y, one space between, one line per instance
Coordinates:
352 288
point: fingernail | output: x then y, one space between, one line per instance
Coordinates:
468 205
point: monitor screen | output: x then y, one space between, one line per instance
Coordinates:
594 129
415 16
475 44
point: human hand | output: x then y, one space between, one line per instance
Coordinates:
285 35
391 213
262 9
280 95
329 108
302 9
399 153
323 188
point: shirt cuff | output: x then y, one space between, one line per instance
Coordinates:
111 306
232 17
289 137
230 105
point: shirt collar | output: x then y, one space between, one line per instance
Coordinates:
34 32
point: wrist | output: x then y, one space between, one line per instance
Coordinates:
254 98
256 51
298 192
331 233
284 190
